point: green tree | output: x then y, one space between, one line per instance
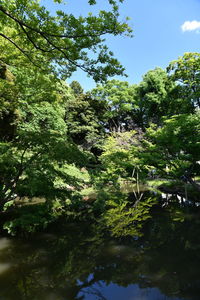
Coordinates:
84 117
36 151
119 158
185 71
62 43
174 149
76 88
119 98
35 159
154 98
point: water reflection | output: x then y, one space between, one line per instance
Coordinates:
86 262
4 243
4 267
132 292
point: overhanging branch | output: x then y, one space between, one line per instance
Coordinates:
40 32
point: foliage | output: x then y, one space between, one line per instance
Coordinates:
124 219
76 88
119 100
69 148
118 157
35 157
186 72
174 148
154 98
29 219
40 140
61 43
83 116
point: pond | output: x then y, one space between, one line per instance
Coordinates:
84 261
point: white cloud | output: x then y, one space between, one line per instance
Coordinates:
191 26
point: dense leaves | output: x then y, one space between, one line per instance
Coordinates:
63 147
175 147
62 43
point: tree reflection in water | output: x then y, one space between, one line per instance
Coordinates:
80 261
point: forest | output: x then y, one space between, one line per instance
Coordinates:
66 153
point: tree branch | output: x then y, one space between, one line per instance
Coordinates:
21 23
20 49
34 44
65 55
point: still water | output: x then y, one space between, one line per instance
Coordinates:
86 262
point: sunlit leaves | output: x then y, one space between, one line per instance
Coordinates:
186 72
175 147
63 43
124 219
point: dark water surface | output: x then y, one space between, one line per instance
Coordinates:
85 262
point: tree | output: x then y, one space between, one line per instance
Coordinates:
154 98
76 88
35 148
174 149
38 155
119 98
62 43
185 71
84 117
25 84
119 158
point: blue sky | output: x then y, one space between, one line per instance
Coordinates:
163 30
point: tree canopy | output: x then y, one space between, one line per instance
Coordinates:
58 143
61 43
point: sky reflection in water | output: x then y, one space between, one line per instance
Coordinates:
76 262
